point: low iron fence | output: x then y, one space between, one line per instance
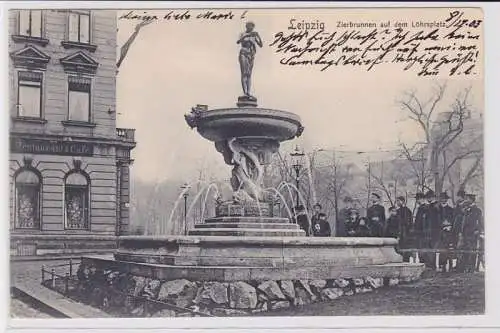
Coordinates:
451 257
55 278
68 284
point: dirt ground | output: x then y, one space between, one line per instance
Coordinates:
434 294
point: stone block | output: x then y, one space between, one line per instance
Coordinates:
317 285
181 292
331 293
287 289
341 283
374 282
272 290
242 296
358 282
218 293
280 305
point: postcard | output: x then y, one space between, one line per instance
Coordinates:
240 162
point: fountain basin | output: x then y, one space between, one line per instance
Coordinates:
222 124
269 251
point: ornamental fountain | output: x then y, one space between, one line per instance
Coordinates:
244 241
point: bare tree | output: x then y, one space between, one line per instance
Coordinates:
331 182
126 46
391 176
440 139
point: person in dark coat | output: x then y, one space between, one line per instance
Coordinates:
362 228
471 232
393 224
317 208
302 220
321 227
420 216
376 216
406 220
447 239
458 216
347 219
432 227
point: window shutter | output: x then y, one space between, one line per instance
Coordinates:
36 23
84 28
24 22
73 27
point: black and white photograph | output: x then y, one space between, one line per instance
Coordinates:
245 161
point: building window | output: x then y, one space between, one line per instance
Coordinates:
30 23
79 27
27 196
79 99
29 95
76 201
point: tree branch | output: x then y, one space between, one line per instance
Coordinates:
471 171
124 49
458 158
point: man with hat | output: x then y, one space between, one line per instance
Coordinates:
406 220
432 226
321 227
447 237
301 219
420 217
458 216
317 208
347 219
376 216
471 231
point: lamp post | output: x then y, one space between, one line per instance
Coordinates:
185 188
297 156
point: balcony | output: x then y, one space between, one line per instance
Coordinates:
125 134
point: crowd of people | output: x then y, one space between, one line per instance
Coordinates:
457 232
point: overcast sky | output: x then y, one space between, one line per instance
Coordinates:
173 66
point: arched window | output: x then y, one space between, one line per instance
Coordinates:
76 201
27 196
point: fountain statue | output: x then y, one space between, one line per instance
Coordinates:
249 40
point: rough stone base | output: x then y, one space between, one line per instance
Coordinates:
237 298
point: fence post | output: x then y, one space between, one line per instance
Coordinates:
43 274
70 267
53 277
66 281
145 307
437 254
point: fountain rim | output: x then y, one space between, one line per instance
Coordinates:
252 112
266 240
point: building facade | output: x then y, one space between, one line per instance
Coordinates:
68 164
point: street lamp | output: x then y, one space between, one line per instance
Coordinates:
297 157
185 188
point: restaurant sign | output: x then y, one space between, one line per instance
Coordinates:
31 146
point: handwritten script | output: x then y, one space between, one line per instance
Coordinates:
184 15
449 46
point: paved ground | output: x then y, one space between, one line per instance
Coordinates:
20 309
33 300
435 294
